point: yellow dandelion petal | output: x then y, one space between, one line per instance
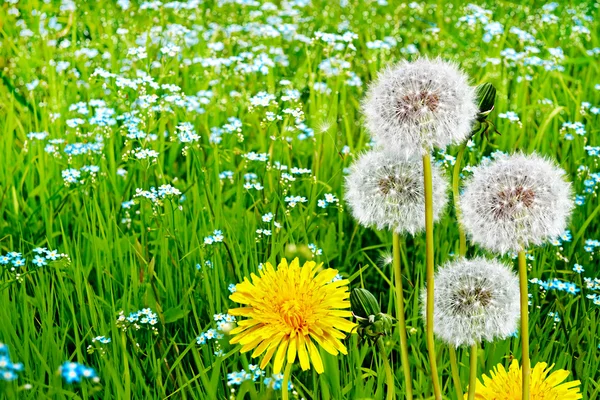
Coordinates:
326 344
315 357
291 352
286 308
303 354
280 356
506 385
250 345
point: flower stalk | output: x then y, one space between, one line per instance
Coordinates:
455 372
525 364
285 383
430 274
389 376
473 372
400 316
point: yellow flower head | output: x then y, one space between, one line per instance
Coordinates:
289 309
506 385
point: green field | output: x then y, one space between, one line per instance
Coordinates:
166 150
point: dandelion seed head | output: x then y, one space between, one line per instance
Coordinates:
385 190
516 201
414 106
474 300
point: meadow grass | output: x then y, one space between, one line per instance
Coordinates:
154 254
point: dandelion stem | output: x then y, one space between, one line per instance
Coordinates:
284 384
400 316
430 273
455 194
455 373
391 388
525 364
462 251
473 372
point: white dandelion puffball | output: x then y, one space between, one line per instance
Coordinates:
414 106
474 300
386 190
516 201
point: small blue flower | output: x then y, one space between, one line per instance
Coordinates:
39 261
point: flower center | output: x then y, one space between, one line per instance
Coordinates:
466 299
414 104
400 186
508 202
293 313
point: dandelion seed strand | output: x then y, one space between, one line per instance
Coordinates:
472 372
525 364
430 274
400 316
391 390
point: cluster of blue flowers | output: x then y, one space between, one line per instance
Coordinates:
236 378
591 245
74 372
593 285
275 382
556 284
8 369
225 323
144 319
216 237
315 250
13 259
554 315
328 200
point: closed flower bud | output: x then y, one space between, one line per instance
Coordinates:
363 303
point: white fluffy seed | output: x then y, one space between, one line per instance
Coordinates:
516 201
386 190
414 106
474 300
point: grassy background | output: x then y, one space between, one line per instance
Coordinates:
50 314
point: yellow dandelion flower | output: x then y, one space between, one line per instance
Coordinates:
290 308
506 385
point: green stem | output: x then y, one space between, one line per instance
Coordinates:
400 316
391 388
473 372
455 373
430 272
284 384
525 364
462 251
455 196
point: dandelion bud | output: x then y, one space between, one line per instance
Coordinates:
474 300
372 323
363 303
486 95
414 106
514 202
386 191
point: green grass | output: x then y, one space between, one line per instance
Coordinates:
50 314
